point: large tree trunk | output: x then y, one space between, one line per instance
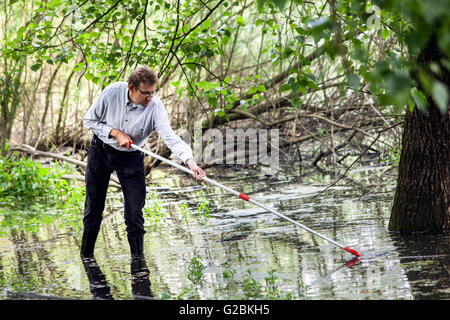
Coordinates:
422 196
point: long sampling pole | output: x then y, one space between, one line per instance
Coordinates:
246 198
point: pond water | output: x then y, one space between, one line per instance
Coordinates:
234 250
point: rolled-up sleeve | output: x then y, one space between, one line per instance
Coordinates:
95 117
177 145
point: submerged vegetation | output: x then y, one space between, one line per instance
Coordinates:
245 289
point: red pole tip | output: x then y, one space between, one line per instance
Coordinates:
354 252
244 196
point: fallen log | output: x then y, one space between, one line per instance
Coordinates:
29 149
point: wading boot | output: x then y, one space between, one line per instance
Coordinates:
88 243
136 245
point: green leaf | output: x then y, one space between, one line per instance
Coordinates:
225 40
439 93
202 84
420 99
280 3
36 66
353 81
207 24
212 101
284 88
240 21
56 3
252 90
385 33
411 105
78 67
297 103
260 4
175 83
445 63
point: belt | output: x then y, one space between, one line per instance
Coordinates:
108 147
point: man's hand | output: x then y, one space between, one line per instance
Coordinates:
122 139
198 172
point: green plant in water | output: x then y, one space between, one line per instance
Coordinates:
184 211
152 210
73 205
190 293
228 273
203 208
195 269
251 287
272 291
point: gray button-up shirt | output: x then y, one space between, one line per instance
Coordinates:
113 110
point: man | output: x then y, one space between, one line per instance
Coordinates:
125 113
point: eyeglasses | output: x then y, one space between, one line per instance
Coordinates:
147 93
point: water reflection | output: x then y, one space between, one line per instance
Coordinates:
100 289
98 285
426 259
237 244
140 282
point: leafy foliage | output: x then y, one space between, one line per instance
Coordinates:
32 195
107 37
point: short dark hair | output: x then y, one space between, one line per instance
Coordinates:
142 74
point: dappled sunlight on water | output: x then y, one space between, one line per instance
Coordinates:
237 250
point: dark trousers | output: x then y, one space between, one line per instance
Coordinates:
129 166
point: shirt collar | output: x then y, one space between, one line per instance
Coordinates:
127 97
130 104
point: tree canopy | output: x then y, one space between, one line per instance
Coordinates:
200 37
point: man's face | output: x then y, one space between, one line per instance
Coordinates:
142 94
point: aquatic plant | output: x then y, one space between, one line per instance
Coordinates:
195 269
250 286
73 204
184 211
203 208
152 210
271 289
228 273
189 293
